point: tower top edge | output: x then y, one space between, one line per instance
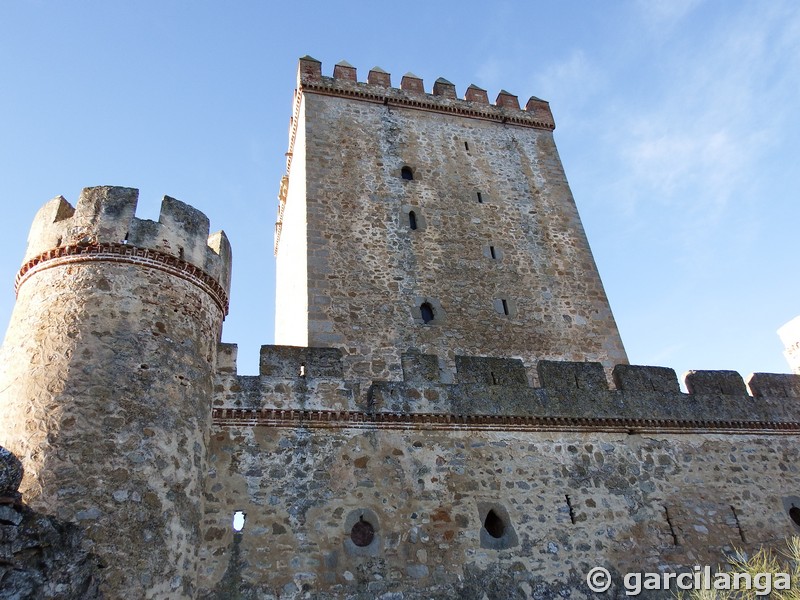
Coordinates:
442 97
105 215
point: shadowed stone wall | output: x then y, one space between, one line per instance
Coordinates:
41 557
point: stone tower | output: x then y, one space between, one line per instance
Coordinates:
414 220
105 380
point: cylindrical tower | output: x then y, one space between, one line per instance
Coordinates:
106 376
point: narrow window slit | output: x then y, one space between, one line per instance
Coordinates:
492 252
671 527
738 525
794 514
505 307
239 518
302 372
480 198
426 311
571 510
466 146
412 220
494 379
494 525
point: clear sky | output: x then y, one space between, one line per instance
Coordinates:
678 123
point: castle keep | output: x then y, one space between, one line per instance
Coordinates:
449 413
396 200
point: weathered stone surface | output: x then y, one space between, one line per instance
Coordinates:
41 557
419 367
774 384
11 472
352 273
105 384
569 376
490 371
428 447
292 361
728 383
574 501
637 378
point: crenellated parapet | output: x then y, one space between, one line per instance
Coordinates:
306 384
411 93
106 375
102 226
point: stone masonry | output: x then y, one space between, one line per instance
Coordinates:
41 557
634 477
498 252
106 375
450 415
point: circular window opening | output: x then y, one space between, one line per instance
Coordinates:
362 533
794 514
495 527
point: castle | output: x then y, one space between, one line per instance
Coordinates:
449 412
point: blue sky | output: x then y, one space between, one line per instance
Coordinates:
677 123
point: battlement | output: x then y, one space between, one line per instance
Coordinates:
491 389
443 97
103 217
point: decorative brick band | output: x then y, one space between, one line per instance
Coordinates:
124 253
458 107
332 419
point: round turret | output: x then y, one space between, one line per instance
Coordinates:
106 376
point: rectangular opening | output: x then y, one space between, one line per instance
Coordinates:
466 146
505 307
480 198
491 251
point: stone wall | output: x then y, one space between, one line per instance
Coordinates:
313 379
633 476
496 247
568 501
41 557
434 443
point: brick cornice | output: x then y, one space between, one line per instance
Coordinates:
332 419
439 104
124 253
